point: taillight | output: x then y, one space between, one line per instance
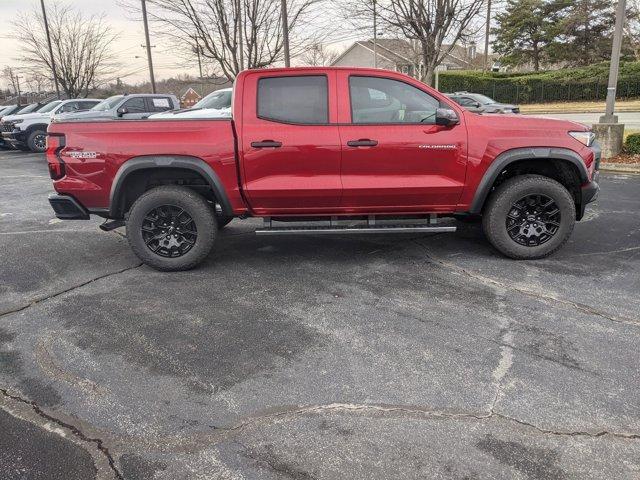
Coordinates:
55 143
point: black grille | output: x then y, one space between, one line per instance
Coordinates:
6 126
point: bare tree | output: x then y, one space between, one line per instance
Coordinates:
433 27
212 28
318 55
11 77
81 47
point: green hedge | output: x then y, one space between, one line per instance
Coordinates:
632 144
589 83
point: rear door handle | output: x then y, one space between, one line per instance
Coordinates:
266 144
363 142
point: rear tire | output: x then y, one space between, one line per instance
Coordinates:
37 141
171 228
529 217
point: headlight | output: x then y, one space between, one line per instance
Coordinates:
585 138
15 122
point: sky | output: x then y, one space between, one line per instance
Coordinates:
127 46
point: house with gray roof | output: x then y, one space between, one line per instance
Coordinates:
403 56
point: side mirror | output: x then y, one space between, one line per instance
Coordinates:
446 117
477 105
122 111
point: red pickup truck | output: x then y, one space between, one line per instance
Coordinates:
335 150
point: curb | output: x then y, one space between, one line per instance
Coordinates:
620 167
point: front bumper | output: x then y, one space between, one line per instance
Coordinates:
589 191
14 137
67 208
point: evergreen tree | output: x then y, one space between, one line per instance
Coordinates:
527 30
587 31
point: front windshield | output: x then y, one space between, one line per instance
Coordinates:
108 103
482 99
216 100
29 108
50 106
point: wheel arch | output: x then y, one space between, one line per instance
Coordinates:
562 164
132 169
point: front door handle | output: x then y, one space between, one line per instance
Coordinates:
363 142
266 144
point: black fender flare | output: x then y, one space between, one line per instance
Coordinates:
167 161
517 154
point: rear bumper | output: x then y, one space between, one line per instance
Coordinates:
67 208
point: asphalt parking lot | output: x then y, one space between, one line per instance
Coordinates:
415 356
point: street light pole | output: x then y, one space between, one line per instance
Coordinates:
285 33
486 36
375 36
146 35
53 61
609 116
240 35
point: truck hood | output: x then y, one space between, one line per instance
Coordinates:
531 122
26 117
83 115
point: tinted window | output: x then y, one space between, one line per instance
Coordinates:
107 104
50 106
466 102
68 107
135 105
294 99
382 100
86 105
217 100
159 104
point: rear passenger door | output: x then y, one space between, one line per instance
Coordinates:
289 143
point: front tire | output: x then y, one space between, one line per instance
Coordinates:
529 217
37 141
171 228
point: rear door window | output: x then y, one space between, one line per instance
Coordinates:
301 99
159 104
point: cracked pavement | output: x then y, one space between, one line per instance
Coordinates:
413 356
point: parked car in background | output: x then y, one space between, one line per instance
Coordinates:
4 111
127 107
29 131
477 103
215 105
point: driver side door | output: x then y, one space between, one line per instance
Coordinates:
394 157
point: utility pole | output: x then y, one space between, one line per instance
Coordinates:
375 36
197 50
240 36
146 35
609 132
53 60
609 116
285 33
486 37
18 87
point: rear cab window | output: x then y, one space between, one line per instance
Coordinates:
300 99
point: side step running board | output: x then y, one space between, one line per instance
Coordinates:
353 229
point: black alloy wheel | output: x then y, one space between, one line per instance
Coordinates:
533 220
169 231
